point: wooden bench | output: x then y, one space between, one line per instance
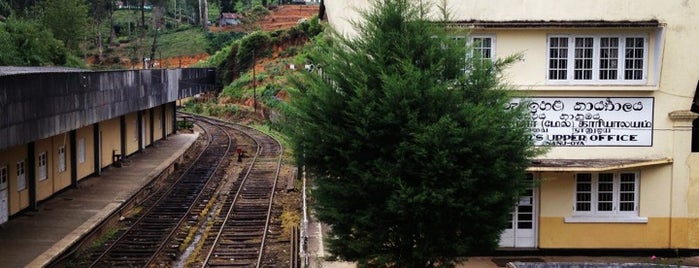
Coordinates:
116 158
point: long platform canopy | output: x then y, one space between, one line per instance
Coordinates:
592 165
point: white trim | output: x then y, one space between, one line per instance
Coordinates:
81 150
21 176
492 43
570 60
606 219
4 177
43 166
62 158
605 216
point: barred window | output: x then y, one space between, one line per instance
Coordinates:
597 59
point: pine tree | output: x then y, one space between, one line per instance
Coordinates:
416 158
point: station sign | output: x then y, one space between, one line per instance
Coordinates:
574 121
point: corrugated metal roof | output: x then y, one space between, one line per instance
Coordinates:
14 70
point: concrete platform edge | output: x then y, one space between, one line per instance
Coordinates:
81 231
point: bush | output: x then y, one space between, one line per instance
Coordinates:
257 42
185 125
123 39
219 40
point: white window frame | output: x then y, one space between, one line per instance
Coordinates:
81 150
43 170
21 176
477 46
62 158
594 198
4 177
569 60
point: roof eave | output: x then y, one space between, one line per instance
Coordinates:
525 24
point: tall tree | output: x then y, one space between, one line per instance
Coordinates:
228 5
101 10
416 161
67 19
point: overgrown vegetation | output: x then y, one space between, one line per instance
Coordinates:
108 35
26 43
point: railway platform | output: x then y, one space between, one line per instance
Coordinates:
35 238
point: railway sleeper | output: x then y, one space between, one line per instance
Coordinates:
227 264
255 215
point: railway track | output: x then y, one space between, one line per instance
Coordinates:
165 210
241 232
230 217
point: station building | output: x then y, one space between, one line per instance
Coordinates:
612 86
61 125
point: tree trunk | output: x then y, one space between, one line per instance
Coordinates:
143 15
152 50
204 12
112 32
98 42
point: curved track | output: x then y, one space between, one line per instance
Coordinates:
243 229
166 210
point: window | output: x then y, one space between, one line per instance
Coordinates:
597 59
484 46
21 180
62 158
135 130
606 194
42 166
81 150
3 177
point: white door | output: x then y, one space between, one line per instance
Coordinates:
4 209
521 232
143 134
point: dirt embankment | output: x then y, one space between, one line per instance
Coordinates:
280 17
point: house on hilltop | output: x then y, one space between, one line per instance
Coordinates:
611 84
227 19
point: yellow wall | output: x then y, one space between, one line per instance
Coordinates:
692 205
555 233
110 140
17 200
44 188
88 166
557 192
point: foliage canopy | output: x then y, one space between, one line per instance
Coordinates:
68 20
416 159
24 43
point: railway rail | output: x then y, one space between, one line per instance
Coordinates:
232 218
242 230
165 210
